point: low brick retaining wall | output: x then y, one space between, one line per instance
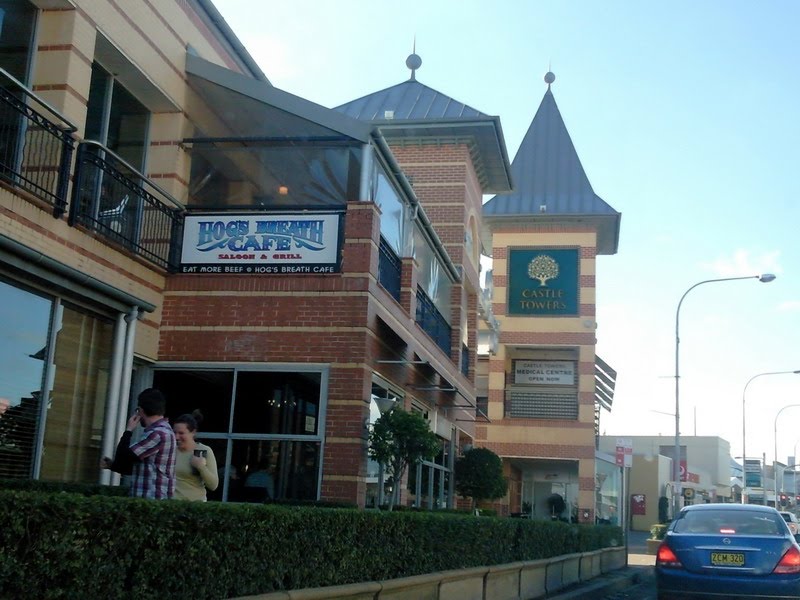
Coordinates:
513 581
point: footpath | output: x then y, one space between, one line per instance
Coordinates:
639 570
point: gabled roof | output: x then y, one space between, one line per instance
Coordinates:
550 183
408 100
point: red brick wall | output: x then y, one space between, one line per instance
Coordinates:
293 319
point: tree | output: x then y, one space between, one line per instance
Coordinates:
479 475
399 438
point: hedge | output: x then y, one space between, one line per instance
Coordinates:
67 545
86 489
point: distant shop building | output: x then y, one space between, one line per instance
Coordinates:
705 468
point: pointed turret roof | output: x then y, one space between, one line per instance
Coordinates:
550 183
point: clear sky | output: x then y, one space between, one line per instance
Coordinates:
686 117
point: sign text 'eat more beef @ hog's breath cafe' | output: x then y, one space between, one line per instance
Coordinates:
263 244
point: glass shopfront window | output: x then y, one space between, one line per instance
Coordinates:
383 399
264 427
26 322
267 175
52 430
74 429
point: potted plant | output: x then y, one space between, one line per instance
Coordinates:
657 533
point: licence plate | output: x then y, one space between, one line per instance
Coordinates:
727 559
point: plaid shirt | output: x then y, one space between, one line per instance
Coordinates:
154 475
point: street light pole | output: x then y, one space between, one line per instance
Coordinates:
775 463
744 425
676 465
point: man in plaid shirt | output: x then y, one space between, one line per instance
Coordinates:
151 460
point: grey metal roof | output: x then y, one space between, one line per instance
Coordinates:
412 111
408 100
550 183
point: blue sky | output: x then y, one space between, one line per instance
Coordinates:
685 116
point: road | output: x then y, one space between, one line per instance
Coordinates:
638 557
646 590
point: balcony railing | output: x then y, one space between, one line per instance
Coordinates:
113 199
432 321
36 144
389 269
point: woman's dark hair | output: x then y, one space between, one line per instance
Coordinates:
192 421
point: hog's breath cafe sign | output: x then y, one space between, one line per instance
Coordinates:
273 244
543 282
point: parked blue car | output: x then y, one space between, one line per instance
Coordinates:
728 551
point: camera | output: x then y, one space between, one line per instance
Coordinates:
199 452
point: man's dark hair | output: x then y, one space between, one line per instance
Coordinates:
152 402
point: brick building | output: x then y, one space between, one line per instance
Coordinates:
170 218
544 386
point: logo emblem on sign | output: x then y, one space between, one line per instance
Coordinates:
543 268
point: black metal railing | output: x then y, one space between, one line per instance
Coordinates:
36 144
464 360
432 321
113 199
389 269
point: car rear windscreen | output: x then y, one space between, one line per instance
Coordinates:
730 522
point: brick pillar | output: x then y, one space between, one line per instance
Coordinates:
408 286
345 458
457 316
63 64
362 233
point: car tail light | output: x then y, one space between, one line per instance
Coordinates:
790 562
665 557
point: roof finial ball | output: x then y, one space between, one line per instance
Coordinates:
549 78
413 62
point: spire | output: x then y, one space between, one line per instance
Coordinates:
413 61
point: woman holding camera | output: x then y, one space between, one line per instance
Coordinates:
195 465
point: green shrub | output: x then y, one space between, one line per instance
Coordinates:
85 489
72 546
658 531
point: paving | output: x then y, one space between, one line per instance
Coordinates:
621 584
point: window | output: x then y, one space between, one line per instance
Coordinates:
433 278
26 321
74 426
277 174
384 397
116 119
51 431
393 212
264 427
17 19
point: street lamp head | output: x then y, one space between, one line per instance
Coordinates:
766 278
